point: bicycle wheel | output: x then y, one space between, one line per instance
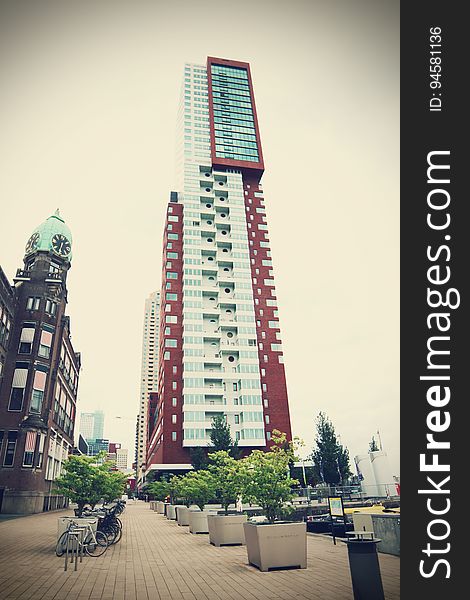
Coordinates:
61 544
118 534
97 548
110 532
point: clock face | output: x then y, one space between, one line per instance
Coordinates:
61 245
32 243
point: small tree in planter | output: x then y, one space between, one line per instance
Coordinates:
113 484
266 477
180 497
268 483
158 490
84 482
198 487
178 491
80 481
228 477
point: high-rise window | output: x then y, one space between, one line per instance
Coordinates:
10 449
20 377
51 307
27 338
30 445
33 303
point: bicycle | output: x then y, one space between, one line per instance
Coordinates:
93 544
108 521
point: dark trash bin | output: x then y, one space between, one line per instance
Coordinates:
365 569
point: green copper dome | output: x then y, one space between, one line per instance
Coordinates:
51 236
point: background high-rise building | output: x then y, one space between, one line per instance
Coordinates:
97 445
148 379
220 343
92 425
118 455
121 458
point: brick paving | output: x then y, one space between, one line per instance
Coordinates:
156 559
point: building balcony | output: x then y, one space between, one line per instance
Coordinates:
213 357
53 278
22 275
211 333
209 285
209 265
227 321
213 388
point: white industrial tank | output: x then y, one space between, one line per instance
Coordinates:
382 473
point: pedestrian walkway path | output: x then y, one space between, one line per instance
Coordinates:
158 560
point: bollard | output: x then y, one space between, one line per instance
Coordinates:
365 569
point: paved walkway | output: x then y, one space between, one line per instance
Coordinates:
157 559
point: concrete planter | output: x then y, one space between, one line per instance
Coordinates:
182 516
153 505
226 530
160 507
171 511
279 545
198 521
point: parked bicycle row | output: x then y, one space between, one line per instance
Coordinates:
91 531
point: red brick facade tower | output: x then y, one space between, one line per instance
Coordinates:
220 346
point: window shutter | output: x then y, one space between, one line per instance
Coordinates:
39 380
19 378
27 334
46 338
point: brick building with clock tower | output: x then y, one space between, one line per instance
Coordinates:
39 372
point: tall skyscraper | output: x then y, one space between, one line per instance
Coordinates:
220 343
38 385
92 425
148 379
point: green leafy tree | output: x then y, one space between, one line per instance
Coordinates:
178 490
158 490
228 477
84 482
220 434
199 459
330 458
266 477
154 475
113 483
221 438
198 487
77 481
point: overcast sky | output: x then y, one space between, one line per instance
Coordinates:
89 93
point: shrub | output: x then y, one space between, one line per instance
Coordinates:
198 487
84 482
266 478
227 476
158 490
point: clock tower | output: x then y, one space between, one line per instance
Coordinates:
38 389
